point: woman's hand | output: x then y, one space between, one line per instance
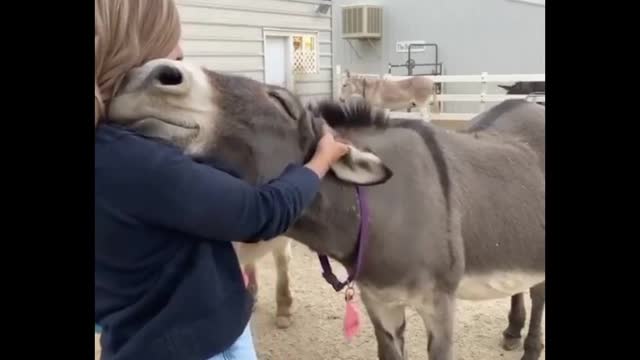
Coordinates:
328 151
330 148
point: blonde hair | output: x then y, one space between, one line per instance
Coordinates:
128 34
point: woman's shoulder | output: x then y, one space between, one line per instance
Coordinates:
111 137
112 132
118 149
118 146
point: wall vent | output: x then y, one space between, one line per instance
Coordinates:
361 22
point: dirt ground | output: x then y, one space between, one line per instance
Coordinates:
316 332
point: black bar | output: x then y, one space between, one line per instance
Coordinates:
437 64
435 46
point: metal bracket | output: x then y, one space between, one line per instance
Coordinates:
373 46
354 49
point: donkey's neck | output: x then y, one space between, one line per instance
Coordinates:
371 88
330 225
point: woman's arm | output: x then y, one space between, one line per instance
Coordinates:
163 187
212 204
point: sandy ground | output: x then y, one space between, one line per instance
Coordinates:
316 332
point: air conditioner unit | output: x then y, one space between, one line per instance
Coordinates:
361 22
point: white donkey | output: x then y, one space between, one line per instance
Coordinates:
406 94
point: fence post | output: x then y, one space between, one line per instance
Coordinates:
483 91
337 82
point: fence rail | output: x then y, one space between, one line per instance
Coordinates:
481 78
482 97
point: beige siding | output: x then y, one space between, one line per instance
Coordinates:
191 31
322 75
313 88
255 75
325 61
325 36
290 7
325 48
264 18
229 63
313 98
228 36
202 46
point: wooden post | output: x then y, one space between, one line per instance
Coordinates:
483 91
337 82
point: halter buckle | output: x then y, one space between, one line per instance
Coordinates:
349 293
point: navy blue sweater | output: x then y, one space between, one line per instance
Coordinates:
168 285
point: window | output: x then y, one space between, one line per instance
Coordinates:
305 54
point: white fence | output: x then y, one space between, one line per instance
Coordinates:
482 97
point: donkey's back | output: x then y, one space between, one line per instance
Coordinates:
518 118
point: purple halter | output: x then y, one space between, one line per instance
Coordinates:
363 238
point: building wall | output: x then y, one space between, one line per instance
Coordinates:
496 36
227 36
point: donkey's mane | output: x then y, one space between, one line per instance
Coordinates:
352 114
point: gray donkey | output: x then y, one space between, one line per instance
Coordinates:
515 118
453 215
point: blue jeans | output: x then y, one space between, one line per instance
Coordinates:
242 349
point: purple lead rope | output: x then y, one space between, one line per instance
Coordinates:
363 237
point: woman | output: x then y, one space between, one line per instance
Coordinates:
167 281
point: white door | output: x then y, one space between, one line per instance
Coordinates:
277 62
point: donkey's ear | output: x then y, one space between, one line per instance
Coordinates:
348 73
360 167
506 87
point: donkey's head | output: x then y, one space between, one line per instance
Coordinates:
352 86
254 127
524 87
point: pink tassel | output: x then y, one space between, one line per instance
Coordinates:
351 321
246 279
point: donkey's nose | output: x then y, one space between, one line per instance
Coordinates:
168 75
